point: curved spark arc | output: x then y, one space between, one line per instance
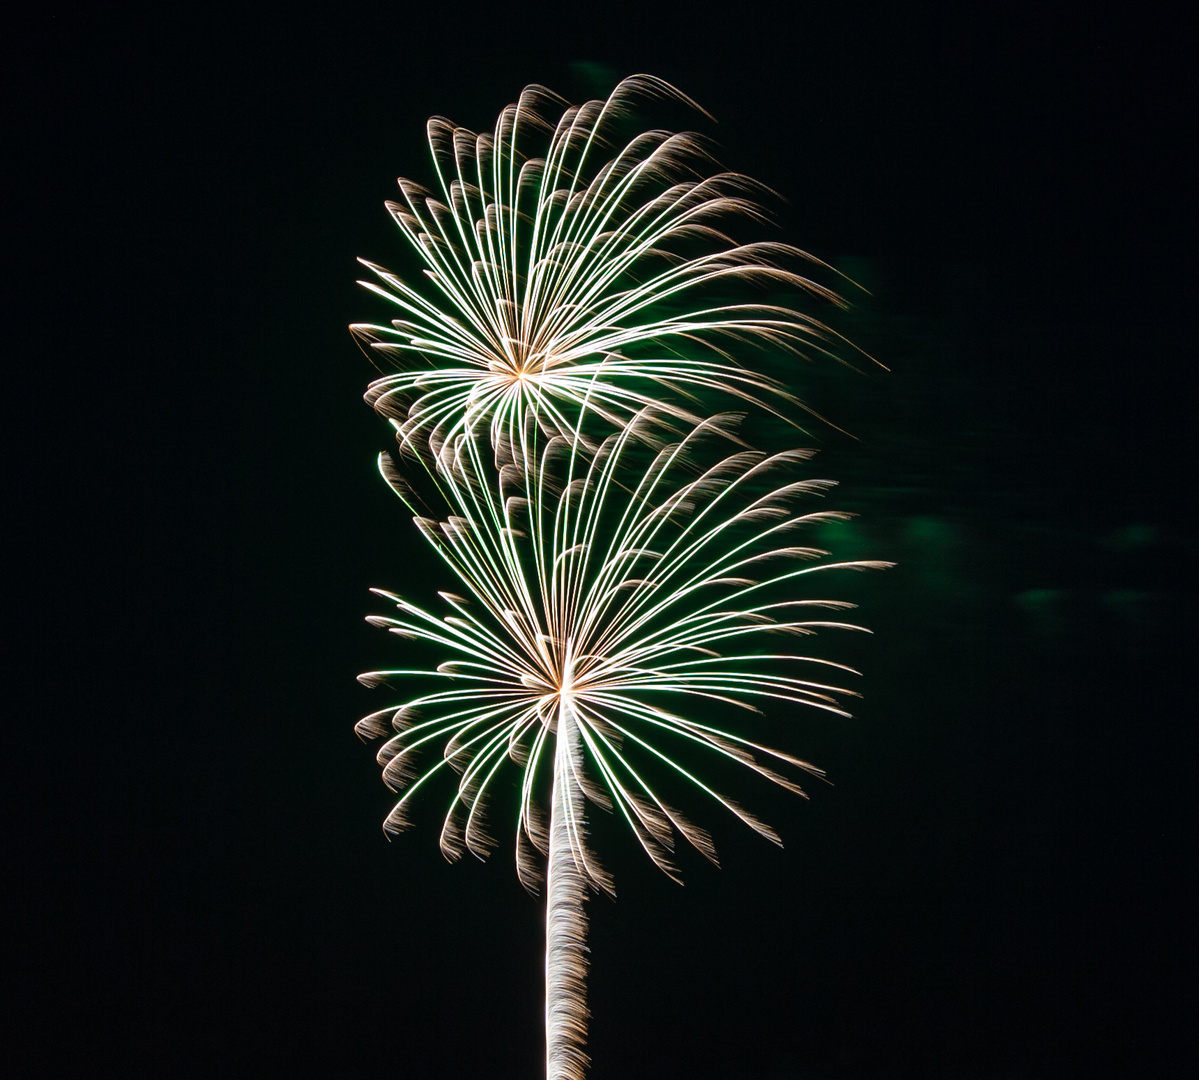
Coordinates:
547 268
599 595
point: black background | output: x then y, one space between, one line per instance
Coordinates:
998 884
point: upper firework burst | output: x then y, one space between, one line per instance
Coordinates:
567 276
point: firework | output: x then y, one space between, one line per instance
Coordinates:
613 569
557 274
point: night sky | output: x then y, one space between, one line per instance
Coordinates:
997 885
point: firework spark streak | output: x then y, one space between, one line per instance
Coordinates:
614 569
553 269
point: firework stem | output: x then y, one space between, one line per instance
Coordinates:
566 1011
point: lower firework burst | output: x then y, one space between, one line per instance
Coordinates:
616 605
596 613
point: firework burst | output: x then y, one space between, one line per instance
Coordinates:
554 268
611 602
